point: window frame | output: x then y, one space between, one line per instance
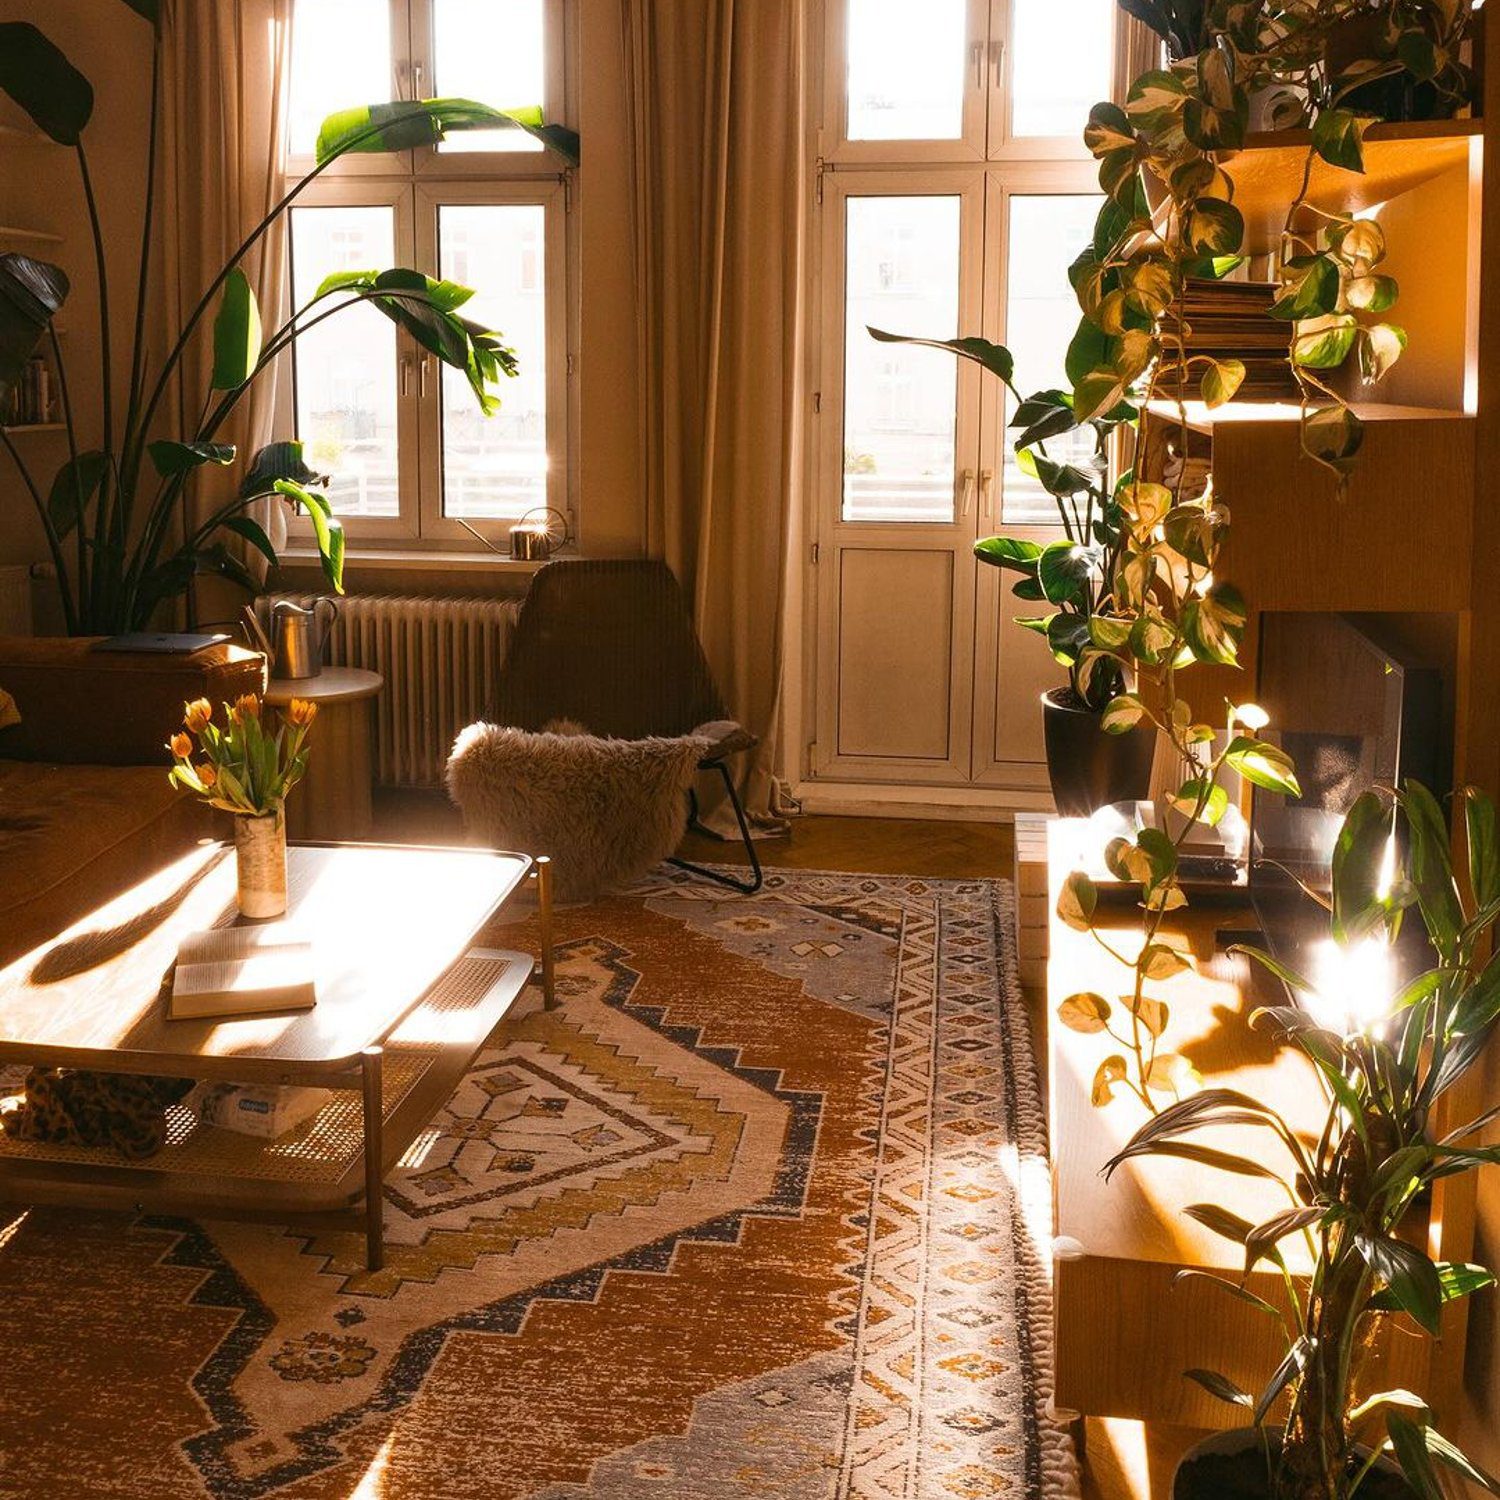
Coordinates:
416 184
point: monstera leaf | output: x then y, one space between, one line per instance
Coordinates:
31 291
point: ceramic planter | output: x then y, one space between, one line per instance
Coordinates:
1090 769
260 855
1232 1466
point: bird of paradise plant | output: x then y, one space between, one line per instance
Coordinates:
111 516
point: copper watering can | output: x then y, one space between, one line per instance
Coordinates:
297 638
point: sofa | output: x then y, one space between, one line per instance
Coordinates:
85 806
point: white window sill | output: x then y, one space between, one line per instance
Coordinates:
364 556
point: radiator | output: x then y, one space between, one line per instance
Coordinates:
439 658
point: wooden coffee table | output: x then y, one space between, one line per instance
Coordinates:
403 1006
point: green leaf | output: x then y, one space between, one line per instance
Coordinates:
1076 901
328 530
170 458
1263 765
1359 855
1067 636
404 124
1160 961
1214 625
1410 1276
1338 135
1221 1386
1380 346
1372 293
150 10
1263 1239
1484 845
237 334
1221 380
1449 1454
1009 552
1324 343
1224 1223
1310 288
995 358
1410 1448
280 460
73 488
1232 1287
1215 227
36 74
1064 570
254 533
1214 800
1285 1373
1429 868
1122 714
1086 1012
1333 435
31 292
1109 634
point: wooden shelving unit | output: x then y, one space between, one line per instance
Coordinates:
11 233
1407 541
1398 158
21 429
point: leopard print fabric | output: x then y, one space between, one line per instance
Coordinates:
75 1107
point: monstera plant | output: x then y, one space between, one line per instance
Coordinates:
113 514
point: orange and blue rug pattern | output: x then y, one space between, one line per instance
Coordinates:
760 1211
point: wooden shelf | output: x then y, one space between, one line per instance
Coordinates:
24 427
1202 418
1398 157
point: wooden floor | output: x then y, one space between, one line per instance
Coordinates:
1124 1461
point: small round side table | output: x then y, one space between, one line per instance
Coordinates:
333 800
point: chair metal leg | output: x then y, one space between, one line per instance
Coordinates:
745 887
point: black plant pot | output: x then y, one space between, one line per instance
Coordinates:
1232 1466
1089 768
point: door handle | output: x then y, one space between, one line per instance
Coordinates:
967 502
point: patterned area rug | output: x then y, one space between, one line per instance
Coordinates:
761 1211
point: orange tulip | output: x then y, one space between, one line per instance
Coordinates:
198 714
206 773
248 706
300 712
181 746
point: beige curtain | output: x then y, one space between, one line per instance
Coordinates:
717 139
224 91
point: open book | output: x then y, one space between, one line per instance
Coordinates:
232 971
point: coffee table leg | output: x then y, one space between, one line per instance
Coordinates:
544 926
374 1111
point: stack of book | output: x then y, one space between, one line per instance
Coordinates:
30 402
1228 320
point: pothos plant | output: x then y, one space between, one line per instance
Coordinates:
113 515
1390 1063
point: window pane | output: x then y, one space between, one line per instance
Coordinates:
492 51
1062 64
495 468
906 70
1041 315
901 275
341 57
346 366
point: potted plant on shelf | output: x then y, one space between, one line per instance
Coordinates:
247 767
112 516
1391 1062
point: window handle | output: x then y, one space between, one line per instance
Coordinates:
405 375
977 57
997 53
986 480
423 361
416 78
968 492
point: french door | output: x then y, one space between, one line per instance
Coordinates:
922 677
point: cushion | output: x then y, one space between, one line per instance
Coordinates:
605 810
71 837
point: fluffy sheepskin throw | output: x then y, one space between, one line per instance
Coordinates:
605 810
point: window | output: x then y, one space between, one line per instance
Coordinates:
982 103
410 456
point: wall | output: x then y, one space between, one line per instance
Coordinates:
111 45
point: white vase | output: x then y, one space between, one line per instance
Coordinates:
260 855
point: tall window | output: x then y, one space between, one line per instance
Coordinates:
411 457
